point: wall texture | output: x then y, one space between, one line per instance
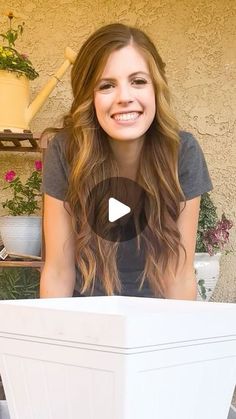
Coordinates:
197 40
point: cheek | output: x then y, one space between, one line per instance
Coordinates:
96 103
101 105
151 99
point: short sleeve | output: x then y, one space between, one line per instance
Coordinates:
55 168
193 172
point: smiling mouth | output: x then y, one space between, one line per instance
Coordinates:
128 116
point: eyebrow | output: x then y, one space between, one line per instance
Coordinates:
130 76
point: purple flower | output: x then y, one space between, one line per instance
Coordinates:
216 238
209 248
10 175
225 224
38 165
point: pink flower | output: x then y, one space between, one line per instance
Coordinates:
38 165
25 56
9 176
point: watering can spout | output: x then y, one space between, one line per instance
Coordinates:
42 96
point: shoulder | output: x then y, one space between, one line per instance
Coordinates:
192 167
190 151
187 142
59 141
56 150
56 168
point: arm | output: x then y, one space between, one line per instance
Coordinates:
184 285
58 275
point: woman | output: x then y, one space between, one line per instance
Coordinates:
120 125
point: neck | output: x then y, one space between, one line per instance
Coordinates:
127 155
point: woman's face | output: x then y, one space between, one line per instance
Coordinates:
124 97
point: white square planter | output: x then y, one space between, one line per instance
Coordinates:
117 358
4 413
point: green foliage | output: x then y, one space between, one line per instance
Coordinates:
10 59
11 34
26 197
19 283
213 232
202 289
207 220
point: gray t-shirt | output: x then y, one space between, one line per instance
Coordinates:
194 180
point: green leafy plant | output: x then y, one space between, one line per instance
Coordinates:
19 283
212 233
26 197
202 289
10 58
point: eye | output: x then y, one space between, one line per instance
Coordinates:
105 86
139 81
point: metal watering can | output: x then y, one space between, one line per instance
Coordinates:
16 111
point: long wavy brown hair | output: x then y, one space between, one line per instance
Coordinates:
91 160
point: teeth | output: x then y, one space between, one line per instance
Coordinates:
126 116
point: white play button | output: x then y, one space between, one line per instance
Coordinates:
116 209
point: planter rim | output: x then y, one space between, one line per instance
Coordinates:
207 254
13 73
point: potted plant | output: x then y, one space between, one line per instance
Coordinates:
20 228
10 59
16 70
212 237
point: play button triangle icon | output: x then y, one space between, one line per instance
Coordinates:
116 209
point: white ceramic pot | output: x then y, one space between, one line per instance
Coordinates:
207 270
21 234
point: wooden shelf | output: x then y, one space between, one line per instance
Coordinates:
18 142
8 263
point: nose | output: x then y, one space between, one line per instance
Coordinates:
124 94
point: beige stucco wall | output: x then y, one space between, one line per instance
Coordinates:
197 40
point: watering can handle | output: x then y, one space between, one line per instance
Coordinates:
70 54
70 57
38 102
